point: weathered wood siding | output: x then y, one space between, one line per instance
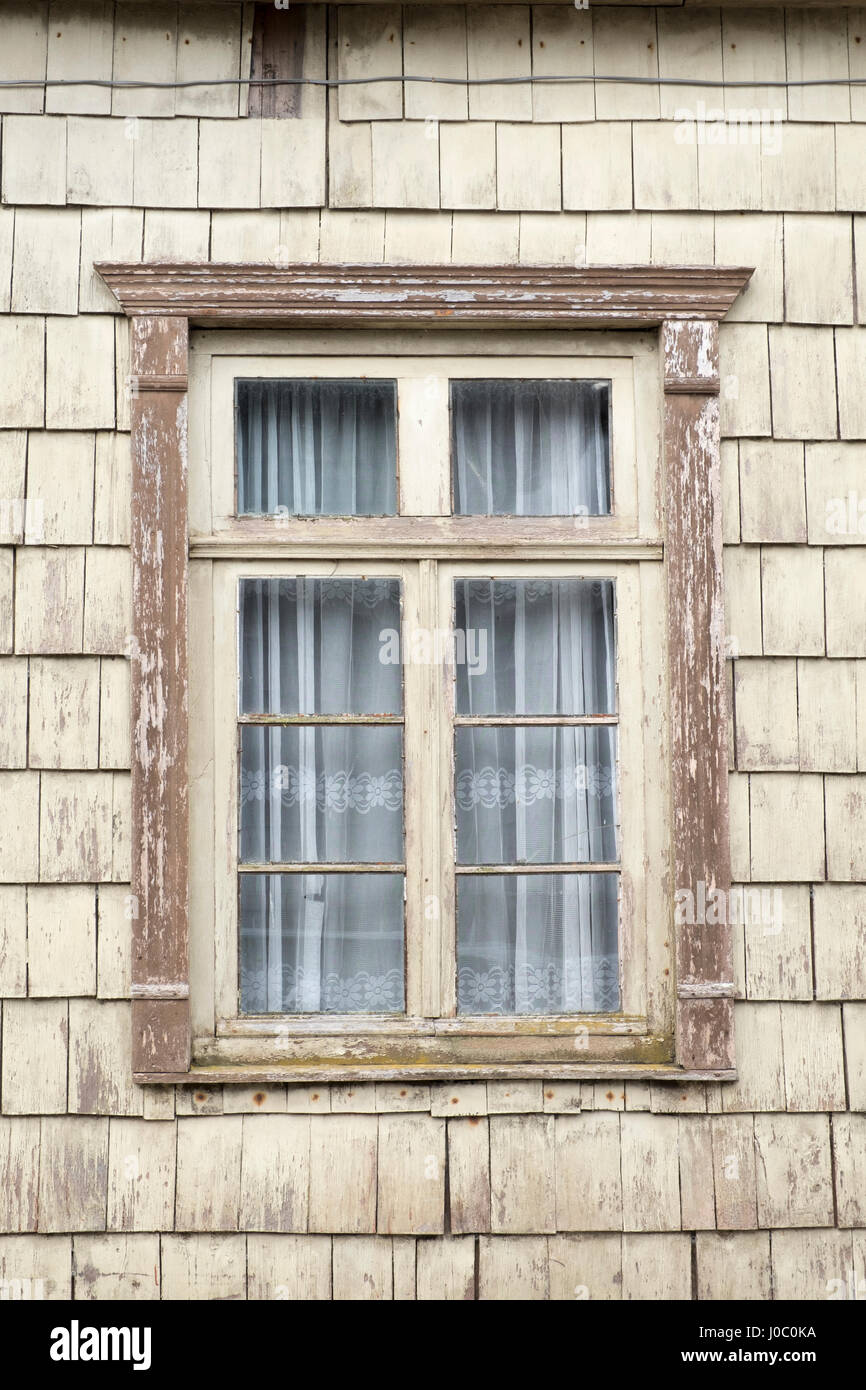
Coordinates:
539 1190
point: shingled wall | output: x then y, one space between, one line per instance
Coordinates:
753 1189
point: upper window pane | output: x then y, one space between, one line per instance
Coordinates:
531 448
317 447
535 646
320 646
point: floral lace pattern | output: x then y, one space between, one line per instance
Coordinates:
588 986
331 993
498 787
337 792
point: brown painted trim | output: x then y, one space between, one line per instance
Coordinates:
525 296
698 698
686 303
160 819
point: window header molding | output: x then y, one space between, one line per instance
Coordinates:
449 296
685 303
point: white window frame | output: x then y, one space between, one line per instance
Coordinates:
625 546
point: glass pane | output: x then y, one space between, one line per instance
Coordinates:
537 943
321 795
535 646
536 796
531 448
316 448
320 646
321 943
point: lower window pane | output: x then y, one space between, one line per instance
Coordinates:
536 795
537 943
321 943
321 795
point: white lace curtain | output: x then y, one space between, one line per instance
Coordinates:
537 943
334 942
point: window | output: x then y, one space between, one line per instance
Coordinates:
612 569
436 764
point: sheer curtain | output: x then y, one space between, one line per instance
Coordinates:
317 447
320 794
531 448
537 943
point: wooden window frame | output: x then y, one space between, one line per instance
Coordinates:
684 304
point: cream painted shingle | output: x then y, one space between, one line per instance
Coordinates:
79 373
513 1267
165 163
827 715
346 235
13 713
100 1059
794 1178
625 44
854 1027
411 1175
742 567
34 159
115 1267
114 908
498 45
45 263
99 158
812 1264
203 1267
799 175
22 392
370 44
552 238
405 164
208 49
851 372
467 180
364 1269
755 240
733 1265
275 1167
650 1174
145 49
49 600
850 176
777 938
849 1169
208 1173
597 166
836 494
76 830
107 234
818 269
36 1030
229 163
840 941
765 700
729 173
814 1061
64 713
25 33
61 940
844 580
111 503
613 238
682 238
341 1145
80 45
479 238
662 1263
689 45
446 1269
293 163
562 42
846 828
787 827
175 236
298 1267
744 369
434 42
528 160
815 47
350 165
753 49
792 601
60 487
803 376
772 492
665 165
13 948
